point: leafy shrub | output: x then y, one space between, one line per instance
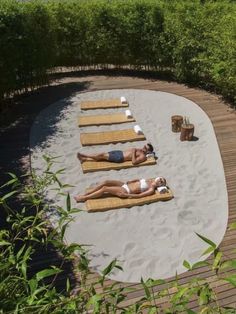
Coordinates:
27 290
201 43
194 41
25 52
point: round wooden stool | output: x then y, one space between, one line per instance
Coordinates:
187 131
176 122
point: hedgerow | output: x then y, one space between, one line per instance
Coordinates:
193 41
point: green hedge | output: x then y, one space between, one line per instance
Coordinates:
194 41
26 45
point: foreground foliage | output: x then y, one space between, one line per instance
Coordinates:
192 41
25 290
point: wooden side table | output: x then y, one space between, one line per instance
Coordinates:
176 122
187 131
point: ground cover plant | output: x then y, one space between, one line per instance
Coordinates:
23 289
191 41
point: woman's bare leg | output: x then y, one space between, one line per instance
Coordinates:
114 190
105 183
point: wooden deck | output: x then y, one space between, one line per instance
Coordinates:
15 142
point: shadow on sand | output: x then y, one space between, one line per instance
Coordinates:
15 158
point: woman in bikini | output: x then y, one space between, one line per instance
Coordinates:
130 189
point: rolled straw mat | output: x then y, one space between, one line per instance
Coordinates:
92 166
112 202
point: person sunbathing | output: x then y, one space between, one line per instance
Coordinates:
130 189
136 155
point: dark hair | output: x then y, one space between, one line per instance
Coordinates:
150 147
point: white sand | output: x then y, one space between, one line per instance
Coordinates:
151 240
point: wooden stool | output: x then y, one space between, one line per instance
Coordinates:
176 122
187 131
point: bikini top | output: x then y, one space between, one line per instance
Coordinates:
143 185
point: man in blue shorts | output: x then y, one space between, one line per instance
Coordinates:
136 155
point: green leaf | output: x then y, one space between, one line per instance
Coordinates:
60 171
203 298
5 266
217 260
153 310
110 267
64 186
58 181
147 292
76 211
186 265
71 307
33 283
47 273
68 203
228 264
19 253
208 250
200 264
151 282
212 244
8 195
61 211
27 254
63 229
14 182
232 226
120 298
23 269
2 243
180 293
231 279
95 301
67 285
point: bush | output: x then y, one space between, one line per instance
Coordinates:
201 43
26 50
193 41
26 289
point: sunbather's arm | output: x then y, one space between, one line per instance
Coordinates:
140 195
137 160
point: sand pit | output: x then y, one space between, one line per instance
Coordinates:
151 240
